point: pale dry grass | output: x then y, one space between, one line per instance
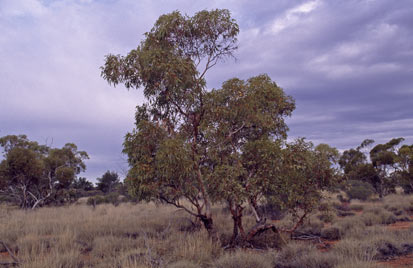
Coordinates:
150 235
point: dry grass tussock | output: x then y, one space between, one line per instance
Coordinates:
150 235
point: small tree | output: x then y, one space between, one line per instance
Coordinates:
108 182
384 160
82 184
405 167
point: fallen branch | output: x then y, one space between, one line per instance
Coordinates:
304 236
15 260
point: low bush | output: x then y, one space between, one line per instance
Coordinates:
311 226
351 248
298 255
359 190
341 206
111 198
349 226
396 203
326 216
378 215
331 233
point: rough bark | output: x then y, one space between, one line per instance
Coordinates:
238 233
210 227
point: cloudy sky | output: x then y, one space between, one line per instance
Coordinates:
348 64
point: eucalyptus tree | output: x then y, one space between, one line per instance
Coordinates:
82 183
167 148
244 129
380 166
205 146
405 167
385 160
108 182
33 174
356 165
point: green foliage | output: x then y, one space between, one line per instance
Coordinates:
108 182
225 144
82 184
303 173
404 173
111 198
389 165
359 190
33 174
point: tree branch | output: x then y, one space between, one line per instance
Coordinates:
299 222
178 206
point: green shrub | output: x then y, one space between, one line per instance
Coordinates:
111 198
359 190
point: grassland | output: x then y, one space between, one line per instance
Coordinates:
356 234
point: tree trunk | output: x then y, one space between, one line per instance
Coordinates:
238 233
209 226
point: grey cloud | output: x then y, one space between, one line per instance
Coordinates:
348 64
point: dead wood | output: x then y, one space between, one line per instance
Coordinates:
15 260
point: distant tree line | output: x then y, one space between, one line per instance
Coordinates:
377 169
34 175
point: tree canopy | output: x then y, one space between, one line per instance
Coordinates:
108 182
384 166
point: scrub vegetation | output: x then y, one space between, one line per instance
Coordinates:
156 235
